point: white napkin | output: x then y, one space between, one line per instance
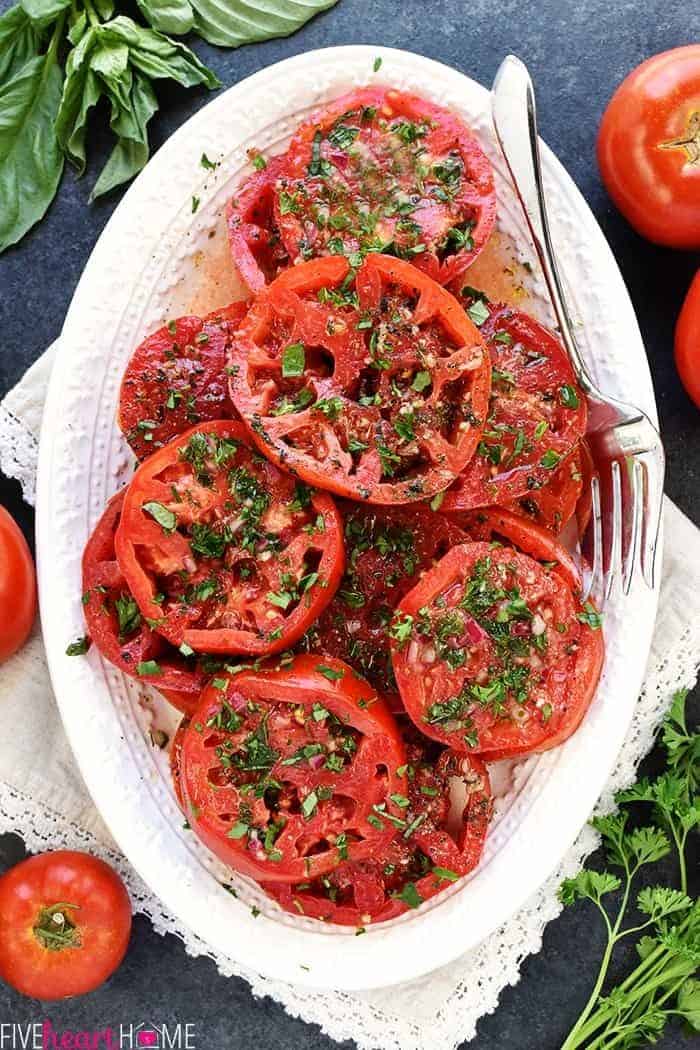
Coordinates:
43 798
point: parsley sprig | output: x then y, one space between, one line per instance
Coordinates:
665 984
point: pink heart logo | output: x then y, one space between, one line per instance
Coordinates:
148 1038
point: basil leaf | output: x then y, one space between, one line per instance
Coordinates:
44 11
105 9
78 28
31 161
81 91
19 41
231 23
169 16
156 56
128 121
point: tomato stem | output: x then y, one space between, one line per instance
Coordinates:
54 928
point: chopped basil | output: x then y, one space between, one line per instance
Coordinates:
148 668
329 672
550 459
293 360
409 895
400 800
309 804
342 136
330 406
568 397
238 831
162 515
377 64
446 874
128 615
78 647
421 381
206 163
478 312
590 617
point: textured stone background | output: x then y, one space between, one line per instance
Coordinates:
578 51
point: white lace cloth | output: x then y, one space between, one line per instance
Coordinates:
44 800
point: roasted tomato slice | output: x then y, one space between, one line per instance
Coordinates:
376 392
536 416
286 772
224 553
118 629
497 656
433 851
379 170
253 235
387 549
175 378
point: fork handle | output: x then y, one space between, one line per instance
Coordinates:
515 121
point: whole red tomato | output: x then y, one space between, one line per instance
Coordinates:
687 342
649 148
17 587
66 920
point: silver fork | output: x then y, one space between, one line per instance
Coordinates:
628 457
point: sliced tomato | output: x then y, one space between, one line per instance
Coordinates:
555 503
496 655
175 757
376 390
387 549
253 234
537 412
117 628
434 850
498 525
290 770
383 171
222 552
176 378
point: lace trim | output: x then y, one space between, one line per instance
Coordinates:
18 453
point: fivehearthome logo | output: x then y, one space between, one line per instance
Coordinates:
42 1035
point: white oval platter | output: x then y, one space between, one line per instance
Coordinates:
155 259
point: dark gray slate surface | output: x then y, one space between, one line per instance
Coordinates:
578 50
